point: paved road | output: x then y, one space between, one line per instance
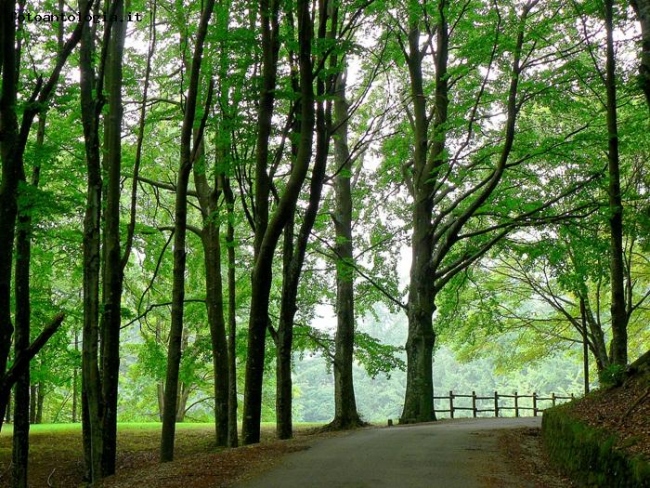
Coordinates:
448 454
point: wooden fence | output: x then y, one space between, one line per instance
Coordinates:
497 404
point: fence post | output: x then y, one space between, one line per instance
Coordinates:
534 404
553 398
451 404
516 404
496 404
474 403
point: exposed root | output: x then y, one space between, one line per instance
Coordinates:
636 403
340 424
49 479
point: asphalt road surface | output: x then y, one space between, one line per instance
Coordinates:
447 454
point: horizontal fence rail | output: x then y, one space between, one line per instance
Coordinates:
497 404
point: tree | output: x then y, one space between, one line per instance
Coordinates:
269 227
455 177
619 315
188 154
103 262
13 142
345 407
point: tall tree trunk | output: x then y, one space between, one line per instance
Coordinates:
210 238
267 233
284 341
233 439
433 239
20 451
261 274
11 166
91 382
214 302
180 230
617 266
418 400
345 405
24 411
113 275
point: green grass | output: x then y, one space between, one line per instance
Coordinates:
60 446
135 427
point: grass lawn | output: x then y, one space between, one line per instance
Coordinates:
56 451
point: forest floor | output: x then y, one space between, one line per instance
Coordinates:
623 410
56 458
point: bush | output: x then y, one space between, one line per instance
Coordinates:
612 375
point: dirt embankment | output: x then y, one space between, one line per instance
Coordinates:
604 438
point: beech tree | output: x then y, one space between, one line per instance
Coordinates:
269 226
619 315
454 176
189 147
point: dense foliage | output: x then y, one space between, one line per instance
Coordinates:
203 204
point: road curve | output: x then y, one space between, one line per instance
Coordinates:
446 454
